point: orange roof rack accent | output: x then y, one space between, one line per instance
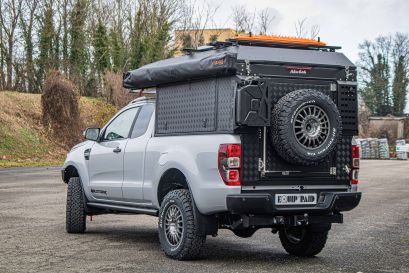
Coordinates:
278 39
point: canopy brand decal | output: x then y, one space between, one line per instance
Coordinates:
298 70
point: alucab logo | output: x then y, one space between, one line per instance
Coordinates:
298 70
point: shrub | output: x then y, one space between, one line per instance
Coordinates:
113 91
60 112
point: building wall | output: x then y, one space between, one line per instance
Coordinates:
393 128
201 36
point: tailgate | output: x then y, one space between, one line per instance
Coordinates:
332 171
262 166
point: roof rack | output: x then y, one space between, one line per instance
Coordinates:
265 41
282 41
209 46
141 99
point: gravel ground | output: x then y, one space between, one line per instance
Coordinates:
374 237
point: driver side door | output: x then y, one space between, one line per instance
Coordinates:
106 160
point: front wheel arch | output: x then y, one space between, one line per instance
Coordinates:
69 171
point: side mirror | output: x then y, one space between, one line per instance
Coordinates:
91 133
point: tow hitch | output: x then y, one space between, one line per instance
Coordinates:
259 221
302 220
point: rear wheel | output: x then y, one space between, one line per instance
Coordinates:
75 210
303 241
178 230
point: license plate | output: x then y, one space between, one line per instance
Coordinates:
296 199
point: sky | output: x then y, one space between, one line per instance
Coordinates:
345 23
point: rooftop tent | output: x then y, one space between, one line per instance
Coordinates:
219 62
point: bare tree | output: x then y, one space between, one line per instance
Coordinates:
2 55
71 24
401 48
27 20
375 74
301 28
400 66
314 32
9 18
194 20
64 8
265 18
243 19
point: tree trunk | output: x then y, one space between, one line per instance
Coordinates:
1 60
9 61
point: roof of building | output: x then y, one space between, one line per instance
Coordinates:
197 29
388 118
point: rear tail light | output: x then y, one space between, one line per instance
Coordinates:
355 156
229 163
355 165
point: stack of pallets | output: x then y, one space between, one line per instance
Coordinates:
373 148
366 153
383 148
401 155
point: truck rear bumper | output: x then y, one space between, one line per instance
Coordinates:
263 203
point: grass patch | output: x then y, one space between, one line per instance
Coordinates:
405 238
23 139
23 143
29 163
25 147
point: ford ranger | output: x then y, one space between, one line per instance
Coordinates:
251 133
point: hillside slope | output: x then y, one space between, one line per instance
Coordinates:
23 139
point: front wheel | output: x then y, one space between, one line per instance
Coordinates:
303 241
75 211
178 230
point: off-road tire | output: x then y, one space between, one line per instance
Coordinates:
191 242
283 121
310 245
75 210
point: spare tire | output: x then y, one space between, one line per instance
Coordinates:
306 126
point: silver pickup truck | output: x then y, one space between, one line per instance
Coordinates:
248 145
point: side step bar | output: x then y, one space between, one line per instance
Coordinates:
153 212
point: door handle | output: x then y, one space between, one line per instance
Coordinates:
117 150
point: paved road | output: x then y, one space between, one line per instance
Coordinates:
374 238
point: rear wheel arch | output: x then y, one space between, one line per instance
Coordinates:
171 179
174 179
